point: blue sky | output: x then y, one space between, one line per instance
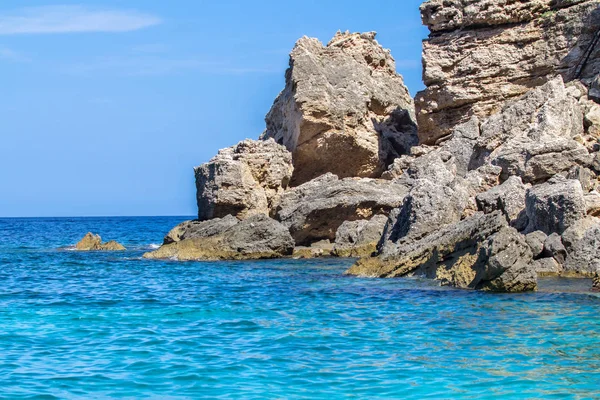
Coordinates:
108 105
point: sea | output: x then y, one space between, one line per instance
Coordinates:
106 325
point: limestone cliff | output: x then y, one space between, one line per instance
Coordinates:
481 53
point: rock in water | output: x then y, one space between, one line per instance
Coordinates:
480 252
255 237
243 180
344 109
92 242
481 53
315 210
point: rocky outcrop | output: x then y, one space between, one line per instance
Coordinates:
534 137
315 210
359 238
481 53
582 243
344 109
480 252
555 205
243 180
91 242
509 198
255 237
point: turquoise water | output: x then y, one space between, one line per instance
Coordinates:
112 325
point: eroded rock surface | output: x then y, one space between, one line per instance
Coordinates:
359 238
315 210
91 242
243 180
481 53
255 237
480 252
344 108
555 205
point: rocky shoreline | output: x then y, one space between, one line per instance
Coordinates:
487 181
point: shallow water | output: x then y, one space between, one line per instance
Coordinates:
112 325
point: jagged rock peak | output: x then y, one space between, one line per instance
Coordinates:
344 109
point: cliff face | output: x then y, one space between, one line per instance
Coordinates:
481 53
344 109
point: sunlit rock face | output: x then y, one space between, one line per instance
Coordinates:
344 109
481 53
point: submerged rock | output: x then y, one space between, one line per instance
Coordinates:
344 109
92 242
255 237
480 252
315 210
243 180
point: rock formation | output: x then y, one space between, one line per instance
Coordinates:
503 187
481 53
243 180
228 238
91 242
359 238
344 109
315 210
481 252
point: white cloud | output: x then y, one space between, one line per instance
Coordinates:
72 19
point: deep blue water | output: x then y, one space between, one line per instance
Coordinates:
112 325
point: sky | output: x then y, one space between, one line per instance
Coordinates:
107 105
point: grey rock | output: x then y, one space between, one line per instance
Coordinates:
243 180
255 237
200 229
582 241
509 197
359 238
555 205
553 247
594 92
480 252
533 137
536 240
315 210
427 207
547 267
344 109
596 281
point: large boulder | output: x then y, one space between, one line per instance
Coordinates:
315 210
509 197
91 242
255 237
582 243
555 205
344 109
359 238
427 207
243 180
480 252
482 53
